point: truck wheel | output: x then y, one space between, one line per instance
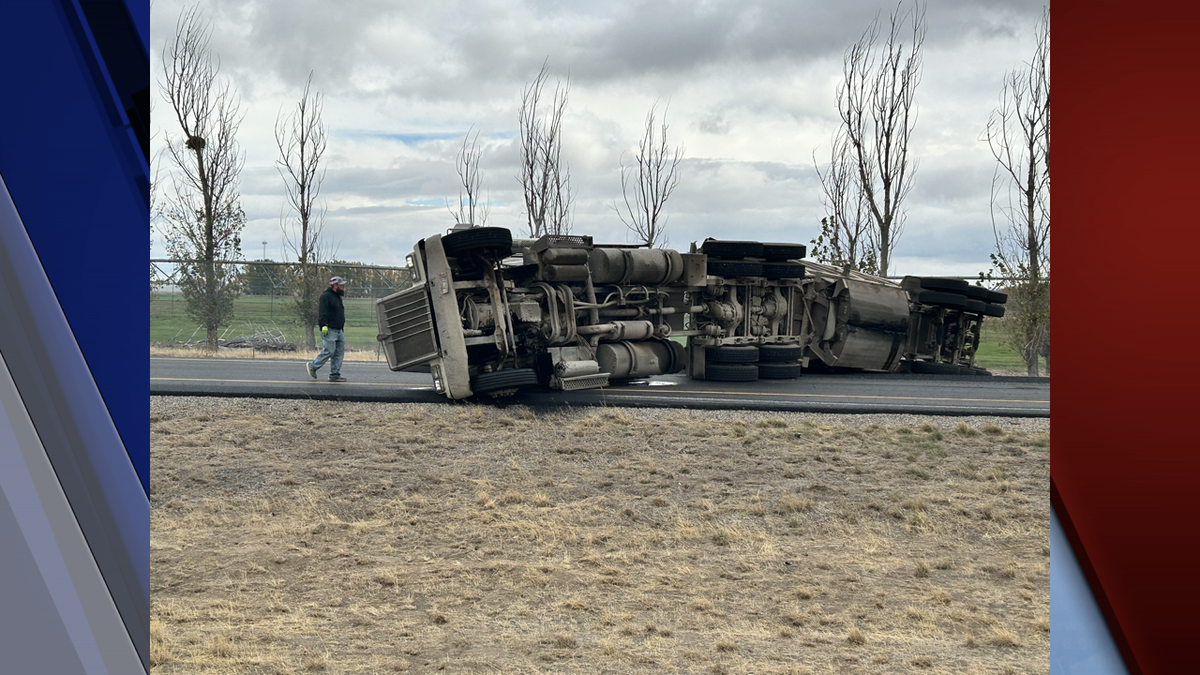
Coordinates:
779 371
779 353
735 268
783 252
491 242
746 354
977 293
731 372
942 299
976 306
783 270
500 380
731 250
944 284
930 368
993 310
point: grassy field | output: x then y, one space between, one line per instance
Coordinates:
996 356
292 537
168 323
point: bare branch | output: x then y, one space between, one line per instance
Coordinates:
877 106
470 210
846 237
656 165
545 178
301 139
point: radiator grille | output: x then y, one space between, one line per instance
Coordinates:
406 322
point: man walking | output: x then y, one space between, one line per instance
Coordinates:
331 317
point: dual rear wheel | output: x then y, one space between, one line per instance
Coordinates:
751 362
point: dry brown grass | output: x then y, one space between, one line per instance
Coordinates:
316 537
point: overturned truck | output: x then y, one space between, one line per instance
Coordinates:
489 314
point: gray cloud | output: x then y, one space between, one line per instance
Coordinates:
749 86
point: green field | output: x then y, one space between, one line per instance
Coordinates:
169 323
994 355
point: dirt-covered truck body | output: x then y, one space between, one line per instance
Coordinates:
488 314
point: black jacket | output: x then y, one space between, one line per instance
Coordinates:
330 311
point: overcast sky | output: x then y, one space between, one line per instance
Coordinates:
750 88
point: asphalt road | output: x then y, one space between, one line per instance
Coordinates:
851 393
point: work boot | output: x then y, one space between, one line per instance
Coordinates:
312 372
336 378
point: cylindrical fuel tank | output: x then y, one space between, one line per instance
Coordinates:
626 360
864 325
877 307
635 265
868 349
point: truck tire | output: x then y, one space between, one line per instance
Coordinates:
731 250
996 297
779 353
944 284
977 293
931 368
779 371
783 270
942 299
746 354
491 242
731 372
735 268
976 306
783 252
500 380
993 310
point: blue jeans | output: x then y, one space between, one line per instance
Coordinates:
333 346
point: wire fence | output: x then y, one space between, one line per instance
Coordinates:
268 277
265 316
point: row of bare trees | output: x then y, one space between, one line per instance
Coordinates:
871 169
545 176
202 214
204 219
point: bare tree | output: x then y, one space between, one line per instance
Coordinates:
301 139
656 164
203 215
877 106
1018 133
471 211
845 237
545 178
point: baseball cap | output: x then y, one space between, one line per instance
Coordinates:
337 280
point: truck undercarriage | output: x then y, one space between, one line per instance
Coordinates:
489 314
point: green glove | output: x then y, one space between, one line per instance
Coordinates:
324 330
